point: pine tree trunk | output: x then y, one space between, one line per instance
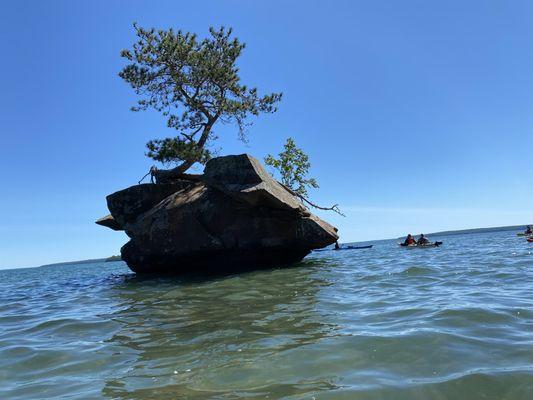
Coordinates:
169 175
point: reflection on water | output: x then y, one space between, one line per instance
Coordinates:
384 323
200 338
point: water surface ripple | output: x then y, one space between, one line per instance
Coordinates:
384 323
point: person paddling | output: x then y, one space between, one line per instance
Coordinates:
422 240
409 241
528 230
337 247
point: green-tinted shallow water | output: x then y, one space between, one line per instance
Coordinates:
385 323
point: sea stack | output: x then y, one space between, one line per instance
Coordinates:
234 217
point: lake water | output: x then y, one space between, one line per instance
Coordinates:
385 323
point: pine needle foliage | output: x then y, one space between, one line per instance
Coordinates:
195 84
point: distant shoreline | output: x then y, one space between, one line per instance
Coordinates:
89 261
517 228
510 228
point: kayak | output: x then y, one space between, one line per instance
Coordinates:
356 247
348 248
422 246
530 239
521 234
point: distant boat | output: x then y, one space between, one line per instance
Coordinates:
348 248
356 247
420 246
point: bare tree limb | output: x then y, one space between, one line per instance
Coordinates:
142 179
334 208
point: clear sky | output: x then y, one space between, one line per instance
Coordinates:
417 115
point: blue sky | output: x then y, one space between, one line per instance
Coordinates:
417 115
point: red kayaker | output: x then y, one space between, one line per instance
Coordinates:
409 241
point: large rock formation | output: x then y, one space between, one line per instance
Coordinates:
236 217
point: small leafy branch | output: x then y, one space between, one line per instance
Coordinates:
293 166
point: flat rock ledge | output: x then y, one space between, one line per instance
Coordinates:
235 218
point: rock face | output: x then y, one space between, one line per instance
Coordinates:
236 218
109 222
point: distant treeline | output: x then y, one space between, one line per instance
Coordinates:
91 261
517 228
